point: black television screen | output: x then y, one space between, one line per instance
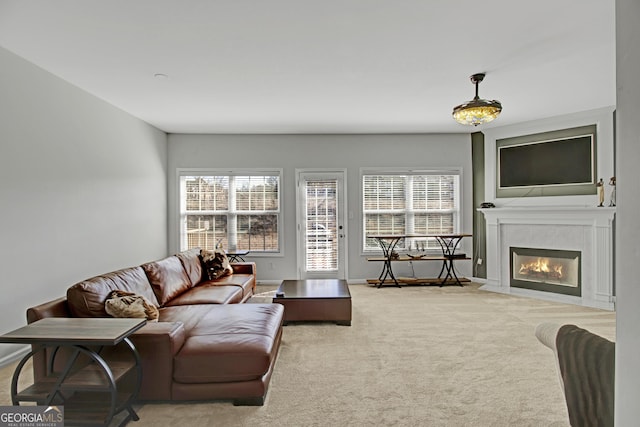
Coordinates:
566 161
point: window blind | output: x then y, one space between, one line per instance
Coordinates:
395 203
232 211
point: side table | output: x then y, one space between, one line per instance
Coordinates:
87 386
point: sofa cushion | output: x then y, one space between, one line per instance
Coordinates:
226 343
192 264
86 298
167 277
203 294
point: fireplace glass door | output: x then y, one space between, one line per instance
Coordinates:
547 270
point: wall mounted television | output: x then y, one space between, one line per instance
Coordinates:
553 163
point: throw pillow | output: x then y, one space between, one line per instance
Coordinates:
215 264
127 304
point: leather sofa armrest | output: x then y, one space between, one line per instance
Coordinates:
165 337
244 267
157 343
55 308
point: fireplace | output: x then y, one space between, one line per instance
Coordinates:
547 270
576 228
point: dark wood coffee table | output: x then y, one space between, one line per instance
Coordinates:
326 300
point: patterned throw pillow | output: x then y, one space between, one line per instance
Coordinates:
127 304
215 264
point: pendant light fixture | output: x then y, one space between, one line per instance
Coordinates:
477 111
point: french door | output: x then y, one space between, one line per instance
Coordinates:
321 224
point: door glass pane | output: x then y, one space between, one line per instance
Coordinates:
321 239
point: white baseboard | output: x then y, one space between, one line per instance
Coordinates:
15 356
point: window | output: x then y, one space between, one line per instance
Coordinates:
405 202
233 210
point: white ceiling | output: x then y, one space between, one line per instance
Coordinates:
322 66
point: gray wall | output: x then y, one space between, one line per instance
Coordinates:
322 151
628 206
82 189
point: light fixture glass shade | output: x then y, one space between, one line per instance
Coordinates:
477 111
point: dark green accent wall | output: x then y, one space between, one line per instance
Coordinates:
479 225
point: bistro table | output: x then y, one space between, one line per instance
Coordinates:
448 244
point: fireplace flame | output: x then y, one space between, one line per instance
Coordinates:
541 266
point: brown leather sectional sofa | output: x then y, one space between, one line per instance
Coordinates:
206 344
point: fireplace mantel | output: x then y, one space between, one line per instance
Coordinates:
596 216
583 228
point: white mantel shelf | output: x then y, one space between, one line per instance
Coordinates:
602 216
588 229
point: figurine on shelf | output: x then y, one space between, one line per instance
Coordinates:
612 198
600 186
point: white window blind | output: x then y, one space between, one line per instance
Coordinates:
235 211
407 203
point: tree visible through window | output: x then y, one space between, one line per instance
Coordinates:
409 204
235 212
